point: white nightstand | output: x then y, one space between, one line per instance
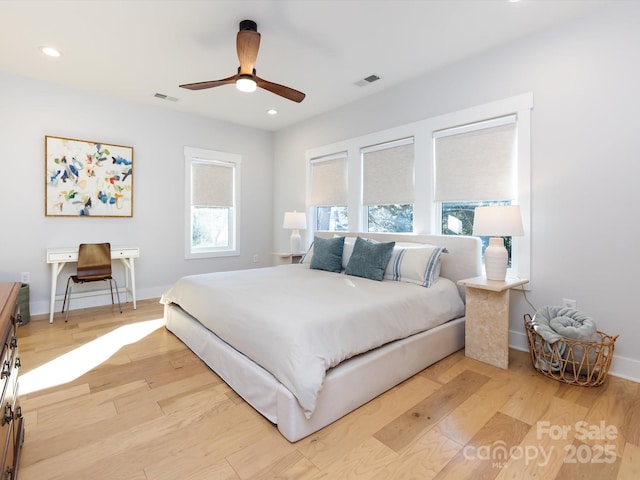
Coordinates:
487 319
283 258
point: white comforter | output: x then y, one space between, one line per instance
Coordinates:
297 323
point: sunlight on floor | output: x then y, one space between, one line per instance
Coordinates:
75 363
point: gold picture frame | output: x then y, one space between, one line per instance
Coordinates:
87 179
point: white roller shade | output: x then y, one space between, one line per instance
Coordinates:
476 164
329 180
387 173
212 184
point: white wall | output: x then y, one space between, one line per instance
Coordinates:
585 78
29 110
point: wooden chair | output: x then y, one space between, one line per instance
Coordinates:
94 264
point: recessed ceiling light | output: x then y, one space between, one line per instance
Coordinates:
272 111
50 51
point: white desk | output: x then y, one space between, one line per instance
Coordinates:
58 257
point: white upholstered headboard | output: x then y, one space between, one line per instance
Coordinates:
463 260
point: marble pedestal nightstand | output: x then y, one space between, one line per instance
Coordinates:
487 319
282 258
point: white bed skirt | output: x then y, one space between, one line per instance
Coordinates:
346 387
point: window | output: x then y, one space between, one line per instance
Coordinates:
475 165
329 192
332 219
388 185
212 181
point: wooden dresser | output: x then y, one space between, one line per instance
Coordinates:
12 428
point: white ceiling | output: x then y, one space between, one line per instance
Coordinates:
136 48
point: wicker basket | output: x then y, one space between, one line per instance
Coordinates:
571 361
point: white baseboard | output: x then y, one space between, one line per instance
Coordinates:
622 367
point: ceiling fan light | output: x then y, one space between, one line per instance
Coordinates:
246 83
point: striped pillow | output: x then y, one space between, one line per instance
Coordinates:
415 264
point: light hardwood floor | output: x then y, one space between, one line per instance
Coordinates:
111 396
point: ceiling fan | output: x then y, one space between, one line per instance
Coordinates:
246 80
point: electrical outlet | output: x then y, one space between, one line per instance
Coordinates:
25 277
569 303
255 258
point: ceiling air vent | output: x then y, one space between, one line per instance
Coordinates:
367 80
162 96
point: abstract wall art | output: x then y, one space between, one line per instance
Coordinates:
85 178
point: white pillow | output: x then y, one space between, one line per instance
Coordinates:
347 250
417 263
306 258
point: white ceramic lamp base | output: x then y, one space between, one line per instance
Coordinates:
496 259
296 241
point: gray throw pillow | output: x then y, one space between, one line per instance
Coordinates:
327 254
369 259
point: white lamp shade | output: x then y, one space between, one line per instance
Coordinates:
498 221
295 220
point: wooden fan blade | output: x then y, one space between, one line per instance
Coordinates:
209 84
247 44
286 92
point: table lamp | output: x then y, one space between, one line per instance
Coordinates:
295 221
497 221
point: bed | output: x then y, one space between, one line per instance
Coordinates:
373 334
